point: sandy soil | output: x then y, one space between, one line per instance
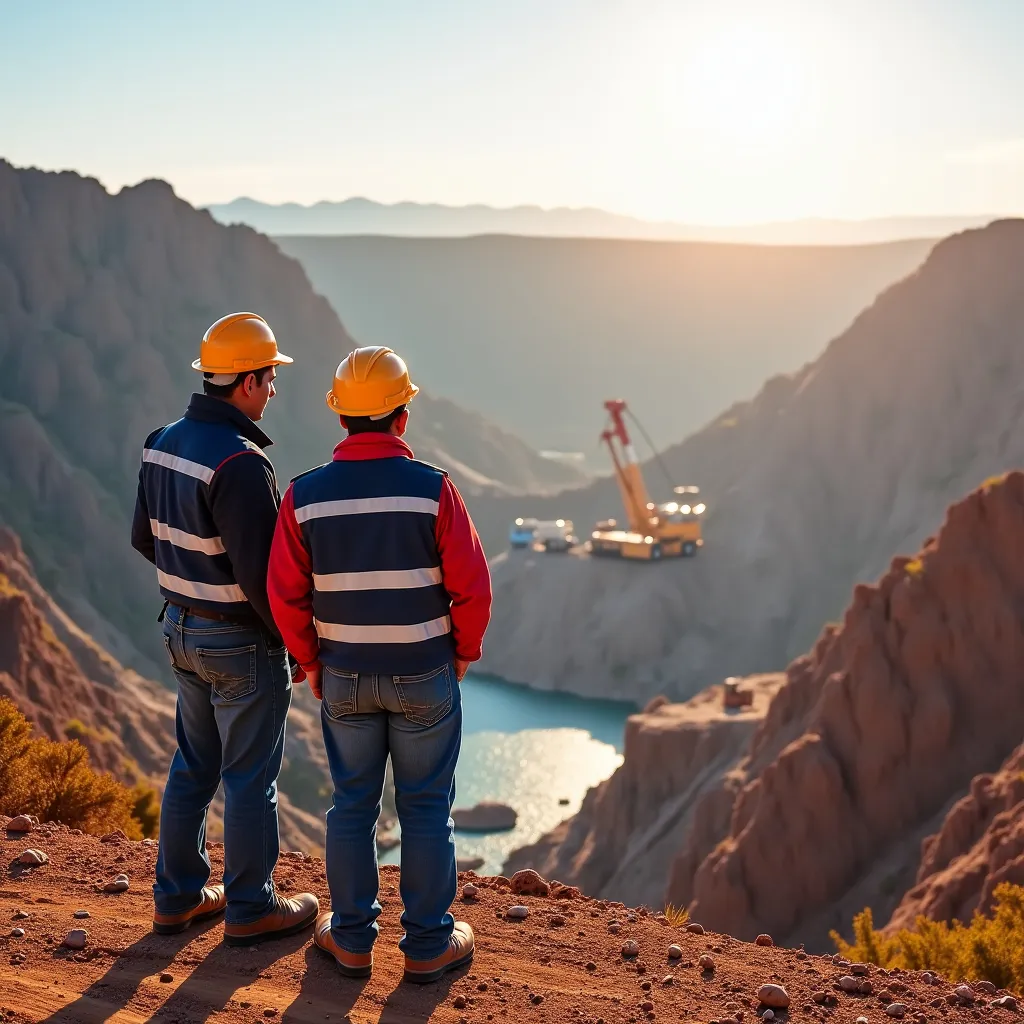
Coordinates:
561 964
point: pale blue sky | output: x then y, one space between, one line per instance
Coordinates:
693 110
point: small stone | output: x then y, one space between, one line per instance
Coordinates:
695 929
17 933
166 978
859 969
965 993
801 955
819 997
667 980
675 952
866 988
21 915
33 858
76 938
921 1017
557 921
517 913
117 836
528 883
591 966
270 1012
630 948
482 987
936 1003
470 891
459 1002
985 986
614 929
647 1006
706 963
537 999
117 885
848 983
768 1015
763 940
22 823
774 996
896 1010
81 914
861 1020
1004 1003
646 986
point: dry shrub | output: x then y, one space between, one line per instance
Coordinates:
989 948
55 782
676 916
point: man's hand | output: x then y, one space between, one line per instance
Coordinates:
461 668
313 677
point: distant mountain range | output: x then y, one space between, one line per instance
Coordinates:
360 216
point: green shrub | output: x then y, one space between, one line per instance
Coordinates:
989 948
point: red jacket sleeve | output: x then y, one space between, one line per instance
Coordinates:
290 587
464 572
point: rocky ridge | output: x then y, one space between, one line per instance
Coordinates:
544 953
812 487
859 755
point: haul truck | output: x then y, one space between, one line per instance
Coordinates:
666 530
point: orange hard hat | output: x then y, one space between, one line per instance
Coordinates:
372 381
236 343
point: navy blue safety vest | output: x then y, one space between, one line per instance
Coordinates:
178 466
379 605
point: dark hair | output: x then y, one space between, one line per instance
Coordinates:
364 425
227 390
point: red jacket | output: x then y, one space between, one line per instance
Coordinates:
464 569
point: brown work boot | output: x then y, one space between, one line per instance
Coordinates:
352 965
287 917
211 903
459 952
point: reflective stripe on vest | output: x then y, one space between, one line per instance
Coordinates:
412 634
363 506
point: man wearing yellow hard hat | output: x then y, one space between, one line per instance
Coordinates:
205 516
381 590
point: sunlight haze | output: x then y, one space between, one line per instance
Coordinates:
681 110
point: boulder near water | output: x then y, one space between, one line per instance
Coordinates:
487 816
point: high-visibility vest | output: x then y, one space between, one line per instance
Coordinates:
178 466
379 604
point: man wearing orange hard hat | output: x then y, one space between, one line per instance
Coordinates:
205 516
381 590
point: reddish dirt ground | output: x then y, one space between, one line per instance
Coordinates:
561 964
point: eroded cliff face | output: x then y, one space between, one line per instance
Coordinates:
888 721
979 846
812 487
621 843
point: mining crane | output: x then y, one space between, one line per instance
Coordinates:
665 530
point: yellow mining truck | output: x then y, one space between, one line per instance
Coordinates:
667 530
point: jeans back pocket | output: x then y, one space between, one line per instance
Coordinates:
230 671
427 698
339 692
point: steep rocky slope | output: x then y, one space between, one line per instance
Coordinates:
870 738
812 486
979 846
537 332
103 300
69 686
622 842
562 963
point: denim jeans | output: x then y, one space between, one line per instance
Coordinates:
233 697
418 721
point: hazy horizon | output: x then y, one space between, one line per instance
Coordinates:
682 111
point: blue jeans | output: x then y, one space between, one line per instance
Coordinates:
418 721
233 698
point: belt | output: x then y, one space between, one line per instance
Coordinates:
206 613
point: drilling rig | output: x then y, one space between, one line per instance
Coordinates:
670 529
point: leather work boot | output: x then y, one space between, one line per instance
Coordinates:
352 965
211 903
288 917
459 952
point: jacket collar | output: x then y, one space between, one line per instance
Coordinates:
215 410
360 447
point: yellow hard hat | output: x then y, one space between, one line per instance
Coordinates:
236 343
371 381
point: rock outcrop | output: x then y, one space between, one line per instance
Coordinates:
812 487
979 846
822 807
622 842
876 732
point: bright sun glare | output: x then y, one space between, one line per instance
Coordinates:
743 89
